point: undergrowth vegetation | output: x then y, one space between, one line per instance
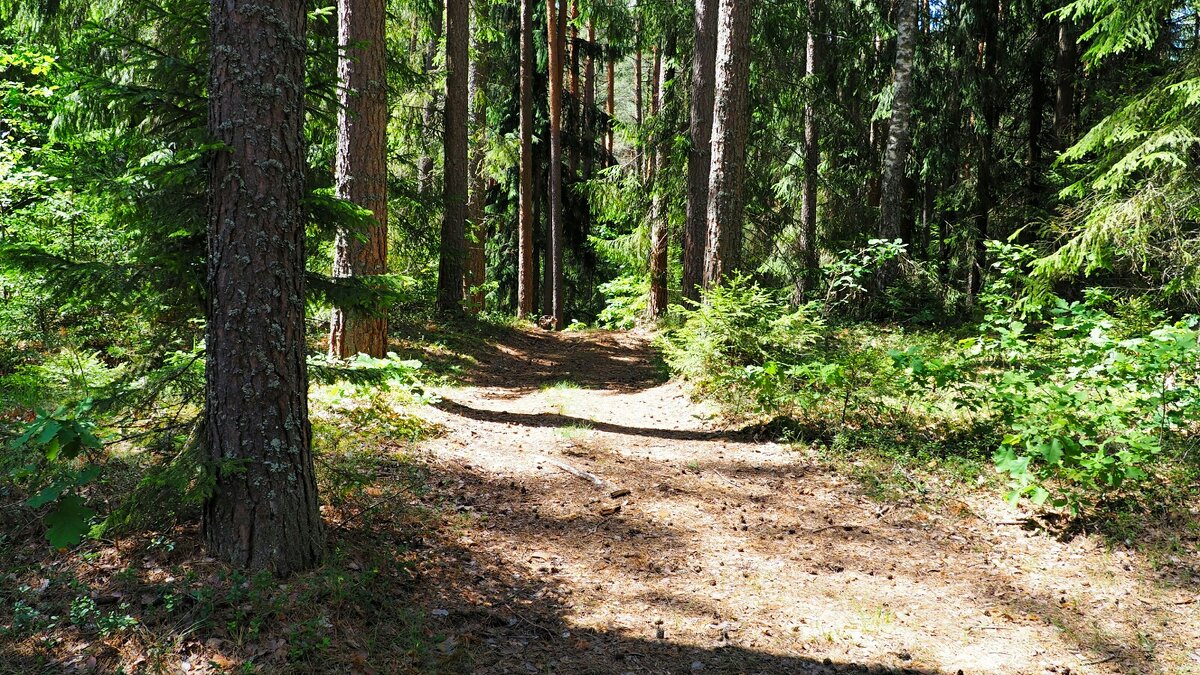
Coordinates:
1079 403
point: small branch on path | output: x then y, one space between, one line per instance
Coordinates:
578 473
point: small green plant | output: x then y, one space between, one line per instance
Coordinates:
62 442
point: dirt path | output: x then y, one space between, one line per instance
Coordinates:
706 551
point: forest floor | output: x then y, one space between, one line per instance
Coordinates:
575 512
610 527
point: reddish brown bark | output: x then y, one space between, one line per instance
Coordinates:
725 199
525 260
360 169
695 229
262 513
454 190
476 270
556 19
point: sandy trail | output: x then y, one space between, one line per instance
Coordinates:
729 555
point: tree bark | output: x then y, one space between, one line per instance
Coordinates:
984 140
360 168
556 29
525 265
1065 62
695 229
652 155
574 118
476 272
639 116
611 109
656 307
899 131
429 114
263 511
1037 103
454 190
806 280
589 104
725 198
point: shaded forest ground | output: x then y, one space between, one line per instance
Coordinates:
571 511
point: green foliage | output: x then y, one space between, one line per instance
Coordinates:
1088 401
625 301
63 446
724 344
1086 396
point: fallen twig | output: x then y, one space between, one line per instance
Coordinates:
578 473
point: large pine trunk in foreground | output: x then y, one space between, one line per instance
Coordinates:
726 205
263 510
695 229
454 188
525 265
360 168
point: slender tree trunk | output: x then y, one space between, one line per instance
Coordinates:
984 139
730 126
429 115
656 308
573 109
454 190
556 29
589 104
899 131
1037 104
806 280
611 109
695 229
360 168
476 272
638 103
1066 60
526 271
655 85
262 513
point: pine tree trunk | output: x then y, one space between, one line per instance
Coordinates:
899 131
1065 63
526 271
806 280
652 155
695 229
656 307
429 114
454 190
611 109
556 24
725 197
360 168
263 510
476 272
639 115
589 104
573 113
984 140
1037 103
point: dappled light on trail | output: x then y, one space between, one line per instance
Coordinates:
616 529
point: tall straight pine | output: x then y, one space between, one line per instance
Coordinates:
262 513
360 168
